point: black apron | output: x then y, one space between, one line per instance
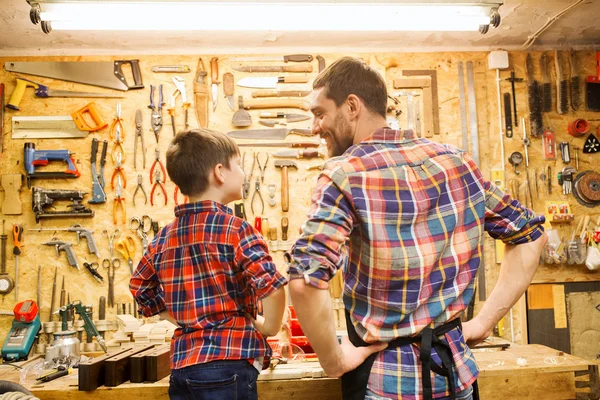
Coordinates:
354 383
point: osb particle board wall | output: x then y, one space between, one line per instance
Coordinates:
81 286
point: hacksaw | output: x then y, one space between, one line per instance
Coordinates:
45 127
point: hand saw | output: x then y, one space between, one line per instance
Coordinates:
107 74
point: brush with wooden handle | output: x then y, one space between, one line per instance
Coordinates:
562 101
546 85
533 97
575 83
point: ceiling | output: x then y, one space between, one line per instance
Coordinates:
578 28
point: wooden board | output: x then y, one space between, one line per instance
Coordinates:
92 372
584 320
138 366
158 363
118 368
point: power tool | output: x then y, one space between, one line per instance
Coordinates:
33 158
45 198
25 328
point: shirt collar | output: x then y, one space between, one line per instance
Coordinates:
201 207
390 135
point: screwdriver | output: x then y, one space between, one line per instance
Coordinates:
17 238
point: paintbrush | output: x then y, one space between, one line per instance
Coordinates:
575 85
562 101
546 85
533 94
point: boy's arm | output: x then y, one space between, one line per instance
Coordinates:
146 288
263 280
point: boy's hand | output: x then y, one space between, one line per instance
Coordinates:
164 315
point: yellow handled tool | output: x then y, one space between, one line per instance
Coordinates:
19 91
44 92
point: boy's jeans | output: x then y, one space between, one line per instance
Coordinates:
226 379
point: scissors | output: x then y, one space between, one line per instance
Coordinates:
141 225
126 246
110 266
111 240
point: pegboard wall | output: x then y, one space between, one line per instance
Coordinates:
81 286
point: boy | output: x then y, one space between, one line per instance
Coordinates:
205 272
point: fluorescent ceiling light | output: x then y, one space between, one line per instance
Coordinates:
441 15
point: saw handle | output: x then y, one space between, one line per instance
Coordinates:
83 124
135 70
17 94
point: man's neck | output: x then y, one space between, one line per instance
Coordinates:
366 128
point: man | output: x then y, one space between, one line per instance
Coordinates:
404 218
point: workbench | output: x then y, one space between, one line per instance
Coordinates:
547 374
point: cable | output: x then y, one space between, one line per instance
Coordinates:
17 396
531 39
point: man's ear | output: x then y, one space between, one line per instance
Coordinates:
354 105
218 174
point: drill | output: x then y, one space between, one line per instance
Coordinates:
33 158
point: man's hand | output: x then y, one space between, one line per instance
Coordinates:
475 332
353 356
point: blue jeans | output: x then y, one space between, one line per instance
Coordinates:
466 394
226 379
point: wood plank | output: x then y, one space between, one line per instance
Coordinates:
118 368
560 306
540 297
91 373
138 366
158 363
523 386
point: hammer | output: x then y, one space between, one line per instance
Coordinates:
285 192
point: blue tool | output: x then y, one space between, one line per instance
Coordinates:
33 158
25 328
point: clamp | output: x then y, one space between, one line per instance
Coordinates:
158 182
139 134
118 172
119 200
140 187
156 119
116 128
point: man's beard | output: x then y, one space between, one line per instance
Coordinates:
339 143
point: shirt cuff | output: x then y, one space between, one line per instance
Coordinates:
152 307
264 287
313 274
528 233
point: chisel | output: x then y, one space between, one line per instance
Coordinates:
287 58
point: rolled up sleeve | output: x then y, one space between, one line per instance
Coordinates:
145 286
322 247
258 268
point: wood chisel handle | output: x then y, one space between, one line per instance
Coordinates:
298 58
276 103
228 84
308 154
3 241
214 70
285 224
293 79
265 227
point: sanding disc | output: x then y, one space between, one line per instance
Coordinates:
586 188
589 186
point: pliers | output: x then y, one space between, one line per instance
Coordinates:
158 182
119 200
157 177
257 191
262 166
118 172
247 178
139 134
118 148
156 119
176 195
116 128
140 187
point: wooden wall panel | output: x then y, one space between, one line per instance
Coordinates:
81 286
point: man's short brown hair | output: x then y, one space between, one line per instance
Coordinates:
193 154
348 76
